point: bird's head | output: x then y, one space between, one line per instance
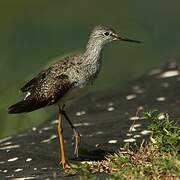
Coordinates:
104 34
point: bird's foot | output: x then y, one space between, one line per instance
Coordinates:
77 138
64 164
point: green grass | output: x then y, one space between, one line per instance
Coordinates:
165 131
158 159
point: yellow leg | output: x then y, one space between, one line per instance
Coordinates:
63 160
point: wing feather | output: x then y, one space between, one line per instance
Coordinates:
33 82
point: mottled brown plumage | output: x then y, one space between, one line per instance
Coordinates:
46 88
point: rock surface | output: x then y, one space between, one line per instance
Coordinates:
104 119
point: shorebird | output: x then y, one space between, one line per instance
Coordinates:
65 80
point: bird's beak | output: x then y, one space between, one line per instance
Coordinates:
129 40
125 39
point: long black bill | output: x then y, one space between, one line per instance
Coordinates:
129 40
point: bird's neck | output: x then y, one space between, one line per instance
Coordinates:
93 52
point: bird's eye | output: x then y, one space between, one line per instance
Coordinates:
106 33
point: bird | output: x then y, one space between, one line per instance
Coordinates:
66 80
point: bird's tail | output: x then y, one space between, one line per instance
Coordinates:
27 105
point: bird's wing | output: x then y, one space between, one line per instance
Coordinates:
49 85
33 82
58 67
53 88
43 93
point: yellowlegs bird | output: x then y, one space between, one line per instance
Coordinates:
66 80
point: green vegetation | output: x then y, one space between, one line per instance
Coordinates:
158 159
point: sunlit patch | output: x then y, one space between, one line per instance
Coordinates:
40 131
154 72
80 113
129 134
5 139
34 128
161 98
130 96
25 178
144 132
6 143
86 124
13 159
18 170
137 125
168 74
47 128
110 108
88 162
2 162
28 159
78 124
129 140
137 89
10 147
110 103
90 135
99 132
143 117
49 139
10 176
133 127
137 136
35 169
5 170
97 145
134 118
81 124
21 135
112 141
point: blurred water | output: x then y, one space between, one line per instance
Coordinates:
32 33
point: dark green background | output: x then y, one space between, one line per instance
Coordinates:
33 32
